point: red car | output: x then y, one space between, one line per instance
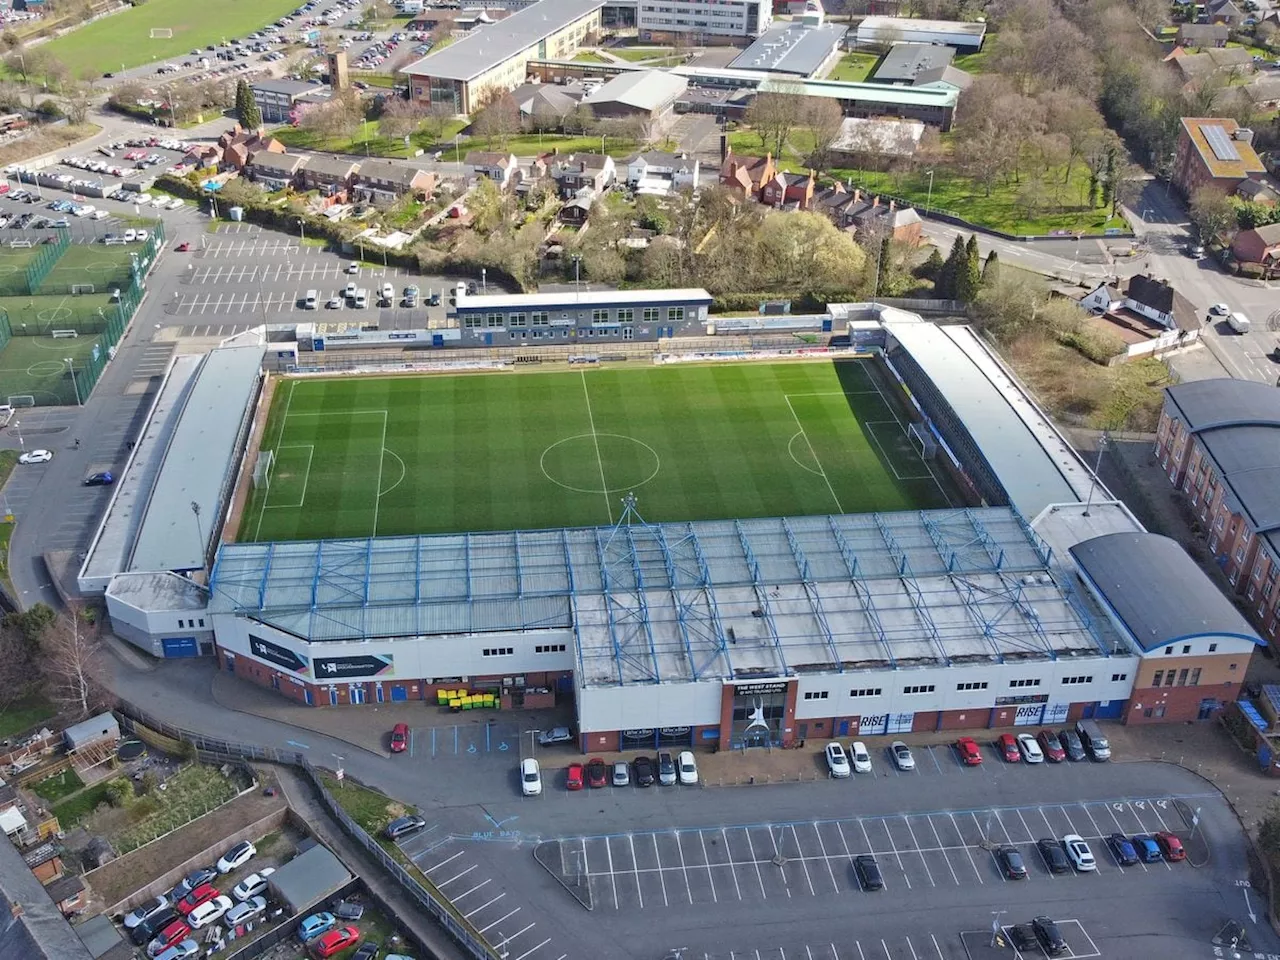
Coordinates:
171 935
183 247
399 738
573 780
970 755
597 773
334 941
1051 746
201 894
1170 846
1008 746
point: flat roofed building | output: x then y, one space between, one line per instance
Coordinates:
878 31
494 57
659 20
795 48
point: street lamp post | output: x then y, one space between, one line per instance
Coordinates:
72 367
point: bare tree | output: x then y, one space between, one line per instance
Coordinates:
73 660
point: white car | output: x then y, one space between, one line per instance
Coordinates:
253 885
1030 750
1079 852
36 456
861 758
1220 310
148 909
208 912
237 856
530 777
837 762
902 755
687 767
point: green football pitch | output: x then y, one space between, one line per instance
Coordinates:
356 457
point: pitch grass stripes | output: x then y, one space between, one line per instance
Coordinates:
443 454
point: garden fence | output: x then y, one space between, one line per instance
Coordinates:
217 751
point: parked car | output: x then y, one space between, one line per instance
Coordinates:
1171 846
201 894
860 757
315 925
687 768
1011 863
902 755
644 772
1078 852
237 856
597 773
144 912
666 770
399 738
1055 858
335 941
1122 850
253 885
1051 746
1049 935
868 872
555 735
970 754
209 912
1072 744
1147 848
404 826
621 773
837 761
574 777
1007 744
530 777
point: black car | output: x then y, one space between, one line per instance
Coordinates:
1071 743
1023 937
149 927
1049 935
1011 862
103 479
644 772
1055 858
404 826
868 872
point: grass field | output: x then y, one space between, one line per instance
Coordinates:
402 455
124 39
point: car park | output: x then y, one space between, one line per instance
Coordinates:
837 761
859 757
1078 853
868 872
1007 744
970 754
687 767
253 885
1055 858
1051 746
1050 936
315 925
644 772
209 912
1071 743
237 856
399 738
621 773
1122 850
902 755
573 778
334 942
666 770
147 910
1147 848
404 826
1171 846
597 773
1011 863
1030 749
530 777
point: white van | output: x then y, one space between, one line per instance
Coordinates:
310 302
1238 322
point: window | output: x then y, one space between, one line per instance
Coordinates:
498 651
626 314
549 648
816 694
1186 648
1077 679
919 688
1118 677
540 318
1029 682
866 692
1194 681
675 314
518 319
650 314
599 315
972 685
1213 647
1157 677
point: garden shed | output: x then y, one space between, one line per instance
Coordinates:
309 878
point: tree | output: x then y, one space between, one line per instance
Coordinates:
1211 212
991 270
247 107
72 653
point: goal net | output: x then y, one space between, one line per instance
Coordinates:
922 441
262 470
162 33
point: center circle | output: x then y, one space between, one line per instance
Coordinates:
587 462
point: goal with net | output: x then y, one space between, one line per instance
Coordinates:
262 470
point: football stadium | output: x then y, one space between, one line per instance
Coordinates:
731 532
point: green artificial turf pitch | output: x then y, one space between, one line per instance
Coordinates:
382 456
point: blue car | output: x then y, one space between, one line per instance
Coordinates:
1124 851
314 925
1148 849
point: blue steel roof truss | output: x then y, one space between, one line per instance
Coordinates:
863 592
